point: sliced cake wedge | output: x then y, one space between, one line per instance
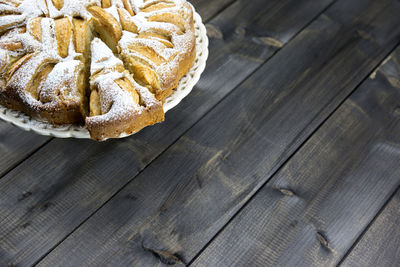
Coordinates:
118 105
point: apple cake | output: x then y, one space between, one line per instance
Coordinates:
108 64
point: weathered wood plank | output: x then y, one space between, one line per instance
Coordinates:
208 9
316 207
178 203
380 245
15 145
71 178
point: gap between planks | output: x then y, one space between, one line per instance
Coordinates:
187 130
351 87
292 155
368 227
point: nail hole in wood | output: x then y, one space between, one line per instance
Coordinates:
25 195
294 223
25 225
131 197
47 205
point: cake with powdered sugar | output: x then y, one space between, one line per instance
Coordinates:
108 64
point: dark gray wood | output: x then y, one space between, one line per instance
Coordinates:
180 201
208 9
380 245
68 180
15 145
318 204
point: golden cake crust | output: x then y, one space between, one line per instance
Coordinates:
50 71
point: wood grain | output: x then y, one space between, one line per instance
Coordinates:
380 245
316 207
15 145
169 212
208 9
68 180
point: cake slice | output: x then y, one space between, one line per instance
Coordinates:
118 105
158 44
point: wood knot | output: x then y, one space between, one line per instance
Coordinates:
25 195
322 240
396 111
271 42
373 75
166 257
47 205
364 34
214 32
131 197
240 31
294 223
287 192
394 82
25 225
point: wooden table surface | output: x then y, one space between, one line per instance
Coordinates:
286 153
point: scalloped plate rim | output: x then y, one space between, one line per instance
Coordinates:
27 123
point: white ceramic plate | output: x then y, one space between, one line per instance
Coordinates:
185 86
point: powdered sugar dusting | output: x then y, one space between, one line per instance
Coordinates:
72 8
102 57
33 8
76 131
182 41
116 103
61 83
54 86
59 79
